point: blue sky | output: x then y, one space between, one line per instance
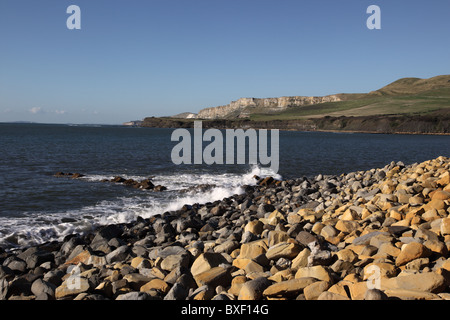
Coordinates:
133 59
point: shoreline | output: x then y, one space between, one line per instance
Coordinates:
393 133
433 124
307 238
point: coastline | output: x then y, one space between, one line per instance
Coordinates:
375 132
433 124
311 239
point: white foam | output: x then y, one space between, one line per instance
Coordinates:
99 177
38 228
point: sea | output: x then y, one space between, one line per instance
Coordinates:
37 207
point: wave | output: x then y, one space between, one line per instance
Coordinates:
183 189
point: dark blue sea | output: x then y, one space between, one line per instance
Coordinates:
36 206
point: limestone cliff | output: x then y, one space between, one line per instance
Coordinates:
243 107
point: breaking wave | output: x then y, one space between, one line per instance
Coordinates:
184 188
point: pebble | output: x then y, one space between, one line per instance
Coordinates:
324 238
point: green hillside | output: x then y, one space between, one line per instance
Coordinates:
407 96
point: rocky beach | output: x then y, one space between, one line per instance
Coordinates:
381 234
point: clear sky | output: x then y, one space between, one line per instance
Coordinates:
133 59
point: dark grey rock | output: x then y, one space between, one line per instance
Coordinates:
187 280
321 257
44 296
365 239
40 286
116 242
101 244
134 296
375 294
256 287
177 292
248 236
69 245
140 251
38 258
20 286
17 265
54 277
27 252
119 254
6 272
170 251
305 238
95 297
4 286
222 297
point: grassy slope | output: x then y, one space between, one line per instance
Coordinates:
407 96
408 105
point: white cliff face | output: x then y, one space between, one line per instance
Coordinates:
243 107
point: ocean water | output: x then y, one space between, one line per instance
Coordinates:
36 206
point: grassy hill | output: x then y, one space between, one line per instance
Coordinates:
408 105
407 96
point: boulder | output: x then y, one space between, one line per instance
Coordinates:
411 251
283 250
72 286
40 286
156 284
217 276
255 226
315 289
253 289
177 292
252 249
118 255
175 261
207 261
317 272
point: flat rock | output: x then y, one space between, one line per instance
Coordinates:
426 282
405 294
216 276
326 295
305 238
365 239
134 296
317 272
288 287
283 250
252 249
